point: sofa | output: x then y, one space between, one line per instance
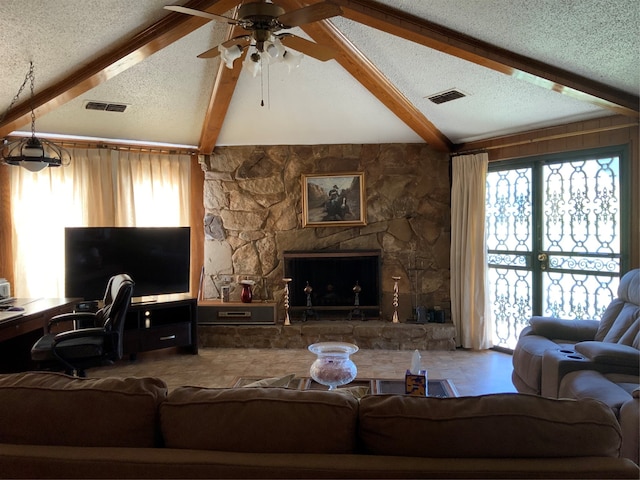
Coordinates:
549 348
579 359
54 426
620 392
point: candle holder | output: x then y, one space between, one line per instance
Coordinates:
286 300
356 302
395 299
309 312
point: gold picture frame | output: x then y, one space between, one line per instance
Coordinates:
334 200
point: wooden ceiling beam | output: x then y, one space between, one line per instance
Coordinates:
437 37
361 68
223 88
164 32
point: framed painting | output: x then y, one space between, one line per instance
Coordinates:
333 200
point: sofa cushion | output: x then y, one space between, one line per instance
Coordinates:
622 312
629 288
608 318
629 417
562 330
625 321
630 337
498 425
57 409
629 383
283 381
591 384
269 420
605 354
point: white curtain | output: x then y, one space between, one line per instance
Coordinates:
469 306
100 187
152 190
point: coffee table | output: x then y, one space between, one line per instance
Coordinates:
442 388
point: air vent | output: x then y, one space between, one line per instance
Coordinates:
447 96
105 107
116 107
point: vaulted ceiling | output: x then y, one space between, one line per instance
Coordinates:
521 64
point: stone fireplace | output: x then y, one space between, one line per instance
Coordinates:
333 285
253 222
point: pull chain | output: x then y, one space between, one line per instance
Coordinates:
33 113
28 76
262 82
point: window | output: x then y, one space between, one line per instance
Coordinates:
101 187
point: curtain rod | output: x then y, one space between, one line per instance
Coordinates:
128 148
104 144
549 137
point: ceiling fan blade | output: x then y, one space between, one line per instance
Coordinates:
312 13
242 40
319 52
211 53
198 13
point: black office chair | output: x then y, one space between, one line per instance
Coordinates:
96 338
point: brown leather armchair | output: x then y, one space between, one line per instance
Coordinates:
550 348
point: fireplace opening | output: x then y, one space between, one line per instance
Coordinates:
331 285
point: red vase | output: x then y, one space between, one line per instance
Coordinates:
246 294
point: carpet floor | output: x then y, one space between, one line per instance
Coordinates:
472 372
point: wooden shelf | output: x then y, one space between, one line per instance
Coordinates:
216 312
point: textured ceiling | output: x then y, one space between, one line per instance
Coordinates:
320 102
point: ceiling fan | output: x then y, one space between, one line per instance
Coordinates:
262 20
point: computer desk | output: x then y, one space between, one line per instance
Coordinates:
18 334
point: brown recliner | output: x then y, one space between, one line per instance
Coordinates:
550 348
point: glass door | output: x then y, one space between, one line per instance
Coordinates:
555 235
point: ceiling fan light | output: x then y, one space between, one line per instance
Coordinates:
272 50
229 55
253 64
275 50
292 60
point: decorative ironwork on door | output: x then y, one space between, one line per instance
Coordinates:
554 235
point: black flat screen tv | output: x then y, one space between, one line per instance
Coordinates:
157 259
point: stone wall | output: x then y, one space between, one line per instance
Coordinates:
253 211
371 335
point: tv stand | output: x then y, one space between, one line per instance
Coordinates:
166 321
144 300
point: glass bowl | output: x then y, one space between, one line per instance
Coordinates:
333 366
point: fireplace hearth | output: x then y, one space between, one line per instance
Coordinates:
333 285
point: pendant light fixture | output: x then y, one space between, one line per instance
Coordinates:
32 153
